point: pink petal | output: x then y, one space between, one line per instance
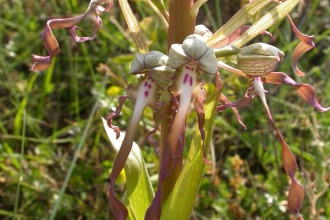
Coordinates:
305 45
83 39
305 91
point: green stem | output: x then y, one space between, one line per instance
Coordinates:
181 24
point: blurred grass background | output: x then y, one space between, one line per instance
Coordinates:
43 117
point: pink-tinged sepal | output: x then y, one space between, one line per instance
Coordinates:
305 45
49 40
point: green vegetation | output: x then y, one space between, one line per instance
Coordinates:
50 119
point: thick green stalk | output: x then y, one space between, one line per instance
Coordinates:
181 24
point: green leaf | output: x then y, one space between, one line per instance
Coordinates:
133 26
268 20
139 191
180 203
237 21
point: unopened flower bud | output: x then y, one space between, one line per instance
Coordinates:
258 59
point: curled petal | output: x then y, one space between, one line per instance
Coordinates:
305 45
241 103
49 40
83 39
223 99
305 91
115 114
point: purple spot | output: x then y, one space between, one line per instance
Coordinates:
192 68
185 78
145 84
146 93
191 81
149 86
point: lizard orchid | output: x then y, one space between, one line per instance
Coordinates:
168 83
